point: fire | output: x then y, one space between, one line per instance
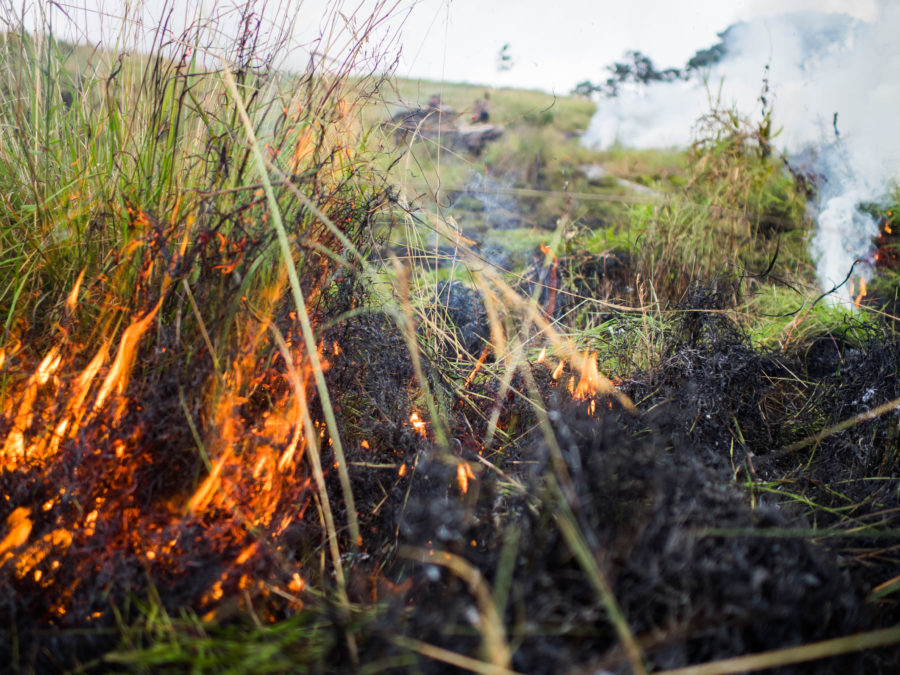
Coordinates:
18 529
297 584
120 372
478 364
417 424
590 381
558 370
542 355
464 474
72 426
862 292
72 300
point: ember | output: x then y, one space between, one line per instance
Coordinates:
418 424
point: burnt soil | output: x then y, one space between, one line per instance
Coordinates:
696 515
691 507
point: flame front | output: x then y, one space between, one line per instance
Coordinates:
100 503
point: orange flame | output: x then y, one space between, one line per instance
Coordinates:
18 526
418 425
558 370
478 364
72 300
464 473
590 381
120 372
862 292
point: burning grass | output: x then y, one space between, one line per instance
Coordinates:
239 432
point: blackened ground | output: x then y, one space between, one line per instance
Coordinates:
660 501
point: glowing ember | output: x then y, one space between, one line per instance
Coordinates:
18 528
297 583
481 360
364 444
418 424
542 355
402 471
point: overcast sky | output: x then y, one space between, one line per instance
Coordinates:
554 44
557 43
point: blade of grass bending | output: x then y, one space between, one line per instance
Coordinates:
403 317
452 658
302 315
406 322
582 552
790 655
312 447
866 416
493 634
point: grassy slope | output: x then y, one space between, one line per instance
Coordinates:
723 211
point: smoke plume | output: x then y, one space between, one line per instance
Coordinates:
835 88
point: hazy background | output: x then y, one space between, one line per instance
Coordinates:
820 58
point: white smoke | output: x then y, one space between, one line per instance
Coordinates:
819 65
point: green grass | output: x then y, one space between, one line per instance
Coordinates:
213 221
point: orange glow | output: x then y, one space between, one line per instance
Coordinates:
71 414
589 383
558 370
418 424
120 372
887 228
18 529
542 355
245 554
297 584
481 359
364 444
464 473
862 292
72 300
402 471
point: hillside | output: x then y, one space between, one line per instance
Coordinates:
288 384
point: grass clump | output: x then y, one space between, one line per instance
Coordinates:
739 216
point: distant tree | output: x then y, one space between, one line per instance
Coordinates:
504 59
704 58
638 68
